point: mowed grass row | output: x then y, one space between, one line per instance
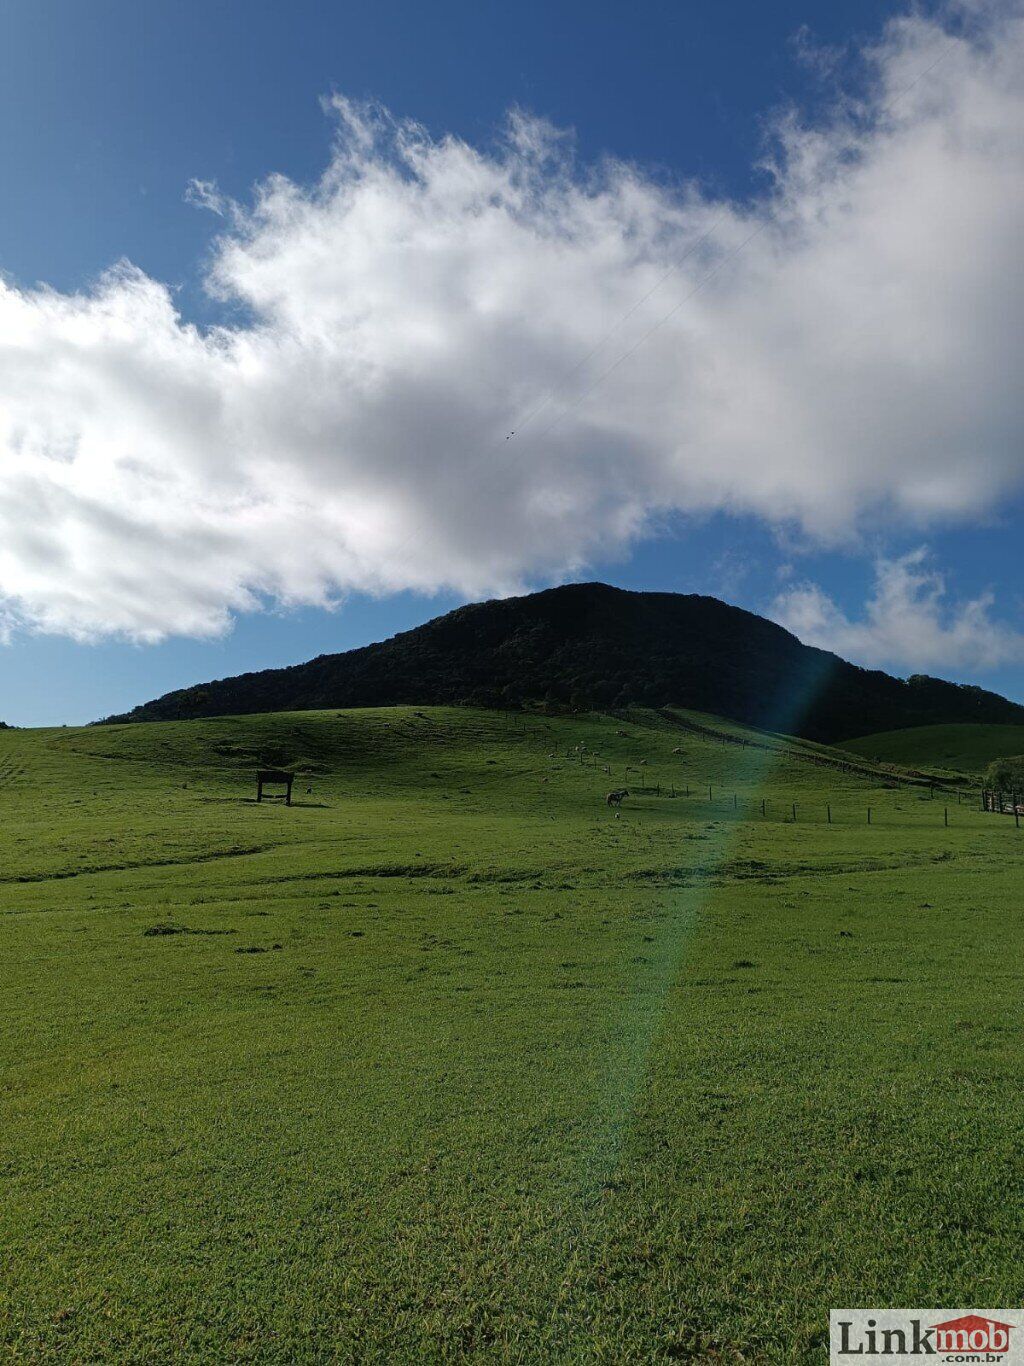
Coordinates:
447 1062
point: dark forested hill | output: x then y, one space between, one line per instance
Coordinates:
590 645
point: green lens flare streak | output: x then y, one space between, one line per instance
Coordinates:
747 773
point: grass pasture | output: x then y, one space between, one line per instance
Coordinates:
446 1062
952 749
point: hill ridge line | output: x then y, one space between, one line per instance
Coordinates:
593 647
891 778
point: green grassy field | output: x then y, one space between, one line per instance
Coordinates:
446 1062
959 749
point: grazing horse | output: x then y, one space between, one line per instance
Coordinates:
615 797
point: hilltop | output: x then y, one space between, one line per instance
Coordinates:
593 646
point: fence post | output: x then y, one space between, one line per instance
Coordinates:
709 792
762 806
869 815
734 802
828 813
794 811
945 815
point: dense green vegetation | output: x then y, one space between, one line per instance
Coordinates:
1006 775
965 749
447 1061
590 646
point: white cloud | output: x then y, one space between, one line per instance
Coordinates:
204 194
907 622
856 362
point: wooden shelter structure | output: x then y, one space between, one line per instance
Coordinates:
274 777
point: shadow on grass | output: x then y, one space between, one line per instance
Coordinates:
251 801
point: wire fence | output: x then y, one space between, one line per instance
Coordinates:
639 781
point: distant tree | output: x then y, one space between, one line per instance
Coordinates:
603 693
485 698
1006 775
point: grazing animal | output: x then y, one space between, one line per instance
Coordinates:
614 798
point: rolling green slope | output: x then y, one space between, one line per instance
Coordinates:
963 749
448 1061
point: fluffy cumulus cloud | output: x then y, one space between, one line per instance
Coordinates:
842 352
907 621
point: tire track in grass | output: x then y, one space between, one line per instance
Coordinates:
63 875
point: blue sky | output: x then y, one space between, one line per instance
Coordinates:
109 111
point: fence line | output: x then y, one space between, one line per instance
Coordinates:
992 801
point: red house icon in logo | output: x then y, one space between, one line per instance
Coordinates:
972 1333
